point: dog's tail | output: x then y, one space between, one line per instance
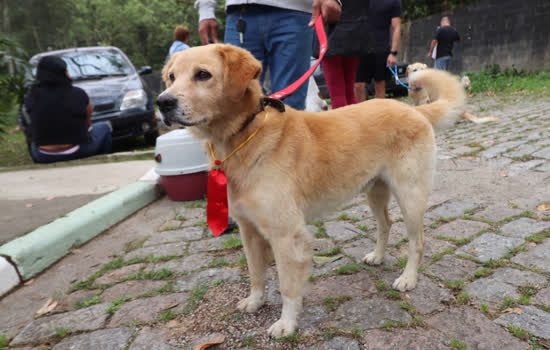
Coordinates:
446 95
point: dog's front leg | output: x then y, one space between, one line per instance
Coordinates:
293 255
258 256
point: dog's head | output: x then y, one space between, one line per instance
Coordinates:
465 81
414 67
208 83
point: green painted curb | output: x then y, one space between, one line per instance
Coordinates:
40 248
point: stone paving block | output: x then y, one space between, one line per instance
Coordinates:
171 249
428 297
544 168
449 268
130 288
359 248
405 339
475 329
523 227
341 231
186 234
337 343
525 149
516 168
494 151
118 275
147 309
538 256
207 277
87 319
369 313
460 229
432 246
330 267
322 245
359 211
105 339
543 153
151 339
312 317
497 213
187 264
357 285
542 297
502 284
68 301
533 320
489 246
209 245
451 209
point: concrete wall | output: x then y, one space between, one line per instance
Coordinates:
503 32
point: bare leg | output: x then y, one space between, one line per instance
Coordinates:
360 92
380 89
293 255
379 196
258 256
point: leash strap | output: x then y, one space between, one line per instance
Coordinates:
394 73
322 36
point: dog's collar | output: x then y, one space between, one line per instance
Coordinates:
264 101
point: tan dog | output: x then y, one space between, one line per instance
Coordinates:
417 93
300 164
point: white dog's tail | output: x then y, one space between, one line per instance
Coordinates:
446 95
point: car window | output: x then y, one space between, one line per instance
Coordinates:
89 65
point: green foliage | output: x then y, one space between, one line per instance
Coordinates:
493 79
347 269
167 315
458 345
331 252
232 242
61 332
4 340
115 305
97 299
517 331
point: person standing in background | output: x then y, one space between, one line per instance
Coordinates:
181 40
275 32
346 42
382 15
444 38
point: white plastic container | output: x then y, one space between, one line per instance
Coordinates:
182 165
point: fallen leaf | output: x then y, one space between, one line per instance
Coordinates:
530 245
513 310
468 158
75 251
488 143
218 340
169 307
29 282
28 205
543 207
50 198
511 201
503 174
321 260
48 307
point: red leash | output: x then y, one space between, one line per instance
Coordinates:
321 35
217 210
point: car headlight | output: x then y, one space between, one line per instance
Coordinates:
134 99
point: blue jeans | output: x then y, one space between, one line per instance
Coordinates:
280 39
443 63
100 142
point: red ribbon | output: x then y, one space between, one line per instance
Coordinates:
217 210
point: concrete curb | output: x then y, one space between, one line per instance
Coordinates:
40 248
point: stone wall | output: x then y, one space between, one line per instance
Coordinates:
504 32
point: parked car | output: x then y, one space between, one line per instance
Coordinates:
115 89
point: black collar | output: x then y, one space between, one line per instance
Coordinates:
264 101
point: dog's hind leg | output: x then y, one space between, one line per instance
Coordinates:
379 196
259 255
293 255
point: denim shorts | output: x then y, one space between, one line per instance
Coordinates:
281 39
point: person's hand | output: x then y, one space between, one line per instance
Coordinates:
208 27
429 55
329 9
391 61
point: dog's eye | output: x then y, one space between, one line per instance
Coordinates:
203 75
172 77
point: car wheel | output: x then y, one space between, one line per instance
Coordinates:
151 138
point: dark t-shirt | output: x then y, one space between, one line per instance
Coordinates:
380 15
445 36
58 114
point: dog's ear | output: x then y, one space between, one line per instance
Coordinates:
166 70
240 67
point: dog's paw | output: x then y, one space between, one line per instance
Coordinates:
282 328
250 304
405 282
372 259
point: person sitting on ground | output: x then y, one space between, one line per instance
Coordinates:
60 116
181 40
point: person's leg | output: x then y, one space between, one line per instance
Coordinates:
380 71
334 75
100 141
289 46
360 80
350 72
253 37
442 63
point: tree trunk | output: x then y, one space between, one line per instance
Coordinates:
6 29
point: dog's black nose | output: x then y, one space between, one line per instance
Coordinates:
166 102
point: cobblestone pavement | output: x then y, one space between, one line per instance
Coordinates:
484 281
